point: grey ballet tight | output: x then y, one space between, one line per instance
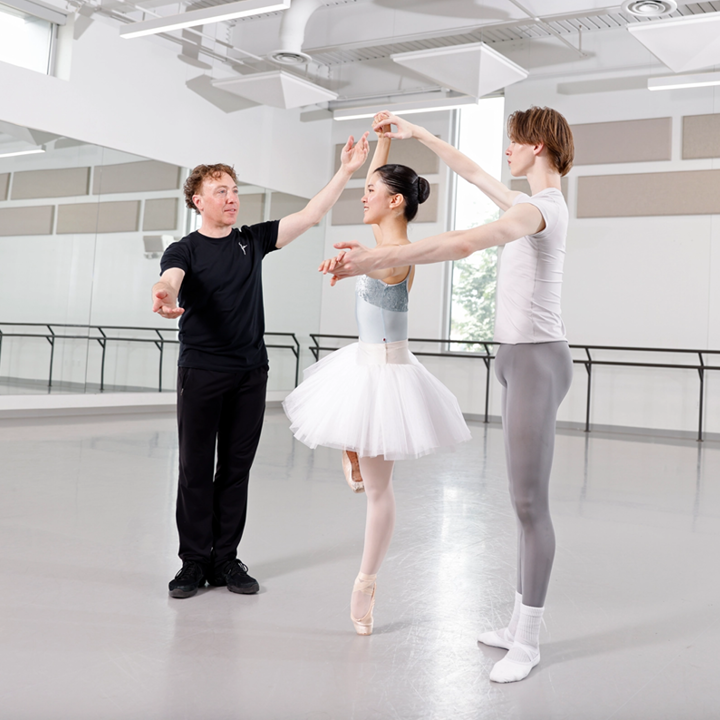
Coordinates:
535 378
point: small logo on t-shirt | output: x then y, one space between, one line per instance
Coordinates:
242 247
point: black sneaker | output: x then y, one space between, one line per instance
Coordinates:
234 574
190 577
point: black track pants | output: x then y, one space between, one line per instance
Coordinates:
220 411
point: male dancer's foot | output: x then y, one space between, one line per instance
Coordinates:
234 574
504 637
524 654
189 578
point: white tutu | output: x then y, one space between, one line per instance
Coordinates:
375 400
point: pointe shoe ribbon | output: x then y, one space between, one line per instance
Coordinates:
364 584
351 468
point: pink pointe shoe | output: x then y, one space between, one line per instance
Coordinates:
351 468
364 584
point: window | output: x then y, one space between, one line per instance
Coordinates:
25 40
480 137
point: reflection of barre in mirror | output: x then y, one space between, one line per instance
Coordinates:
212 281
533 362
373 399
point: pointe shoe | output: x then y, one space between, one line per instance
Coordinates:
351 468
364 584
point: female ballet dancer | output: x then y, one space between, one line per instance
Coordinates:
533 362
373 399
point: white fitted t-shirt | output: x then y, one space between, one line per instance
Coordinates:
530 277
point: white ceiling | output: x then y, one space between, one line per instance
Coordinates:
350 42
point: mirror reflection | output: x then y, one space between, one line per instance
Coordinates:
82 230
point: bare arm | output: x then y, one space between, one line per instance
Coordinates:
292 226
455 160
379 158
520 220
165 292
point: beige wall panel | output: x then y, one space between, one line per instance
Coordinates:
4 182
403 152
522 185
282 204
36 220
63 182
160 214
695 192
701 136
144 176
107 217
624 141
252 209
348 210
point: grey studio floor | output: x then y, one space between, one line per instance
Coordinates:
88 545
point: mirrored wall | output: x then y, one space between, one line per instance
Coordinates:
82 230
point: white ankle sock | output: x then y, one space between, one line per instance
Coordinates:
504 637
524 654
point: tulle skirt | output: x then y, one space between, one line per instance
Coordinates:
375 399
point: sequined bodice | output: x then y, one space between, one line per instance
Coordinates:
381 310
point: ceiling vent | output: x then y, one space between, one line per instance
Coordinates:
292 33
649 8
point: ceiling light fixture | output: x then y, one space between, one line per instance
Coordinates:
204 16
680 82
649 8
34 151
408 108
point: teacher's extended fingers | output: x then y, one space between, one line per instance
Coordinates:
170 313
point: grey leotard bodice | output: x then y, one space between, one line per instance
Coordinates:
381 310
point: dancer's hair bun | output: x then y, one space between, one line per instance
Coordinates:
405 181
423 189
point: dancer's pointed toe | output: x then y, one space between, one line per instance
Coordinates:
364 584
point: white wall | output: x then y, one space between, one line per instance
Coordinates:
131 95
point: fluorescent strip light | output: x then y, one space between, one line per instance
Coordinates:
215 14
35 151
408 108
680 82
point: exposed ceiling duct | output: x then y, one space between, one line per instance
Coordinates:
292 32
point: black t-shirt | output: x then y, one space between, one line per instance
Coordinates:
223 324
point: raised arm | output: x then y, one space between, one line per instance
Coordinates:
292 226
165 293
379 158
453 158
520 220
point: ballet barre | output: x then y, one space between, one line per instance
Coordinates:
698 360
103 334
